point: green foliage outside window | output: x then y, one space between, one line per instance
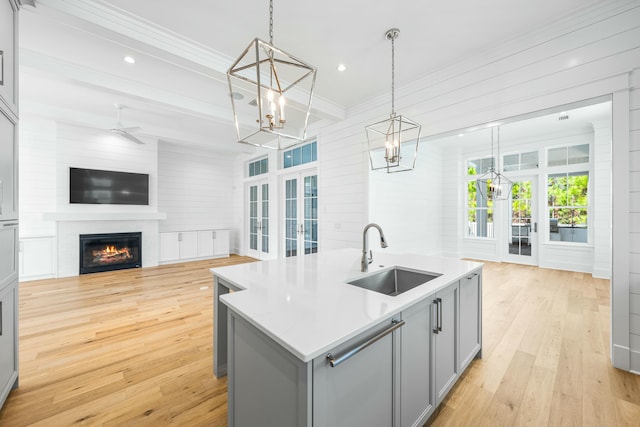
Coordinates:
568 198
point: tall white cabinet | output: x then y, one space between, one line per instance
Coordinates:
8 198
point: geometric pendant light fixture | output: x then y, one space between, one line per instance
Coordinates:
493 185
271 92
393 143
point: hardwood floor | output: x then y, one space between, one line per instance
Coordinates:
134 348
127 348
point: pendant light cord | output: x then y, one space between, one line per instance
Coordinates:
393 74
271 22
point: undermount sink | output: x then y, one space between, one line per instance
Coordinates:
394 281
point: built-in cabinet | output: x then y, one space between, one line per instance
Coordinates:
394 374
191 245
36 258
8 198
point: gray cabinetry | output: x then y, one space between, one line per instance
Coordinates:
8 340
267 386
8 198
445 342
470 319
8 166
9 54
416 386
394 374
358 390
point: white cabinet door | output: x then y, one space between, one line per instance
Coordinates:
36 258
470 319
205 243
359 391
8 167
8 54
221 242
8 341
445 340
416 385
188 244
169 247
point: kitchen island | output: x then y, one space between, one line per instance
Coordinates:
302 347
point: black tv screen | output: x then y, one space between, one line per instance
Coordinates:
91 186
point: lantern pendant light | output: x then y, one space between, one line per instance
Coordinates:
393 143
494 185
279 88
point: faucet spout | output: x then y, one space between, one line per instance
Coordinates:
368 259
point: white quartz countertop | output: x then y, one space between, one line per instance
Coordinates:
305 304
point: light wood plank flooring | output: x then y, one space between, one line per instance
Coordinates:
134 348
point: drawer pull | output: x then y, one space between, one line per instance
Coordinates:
335 361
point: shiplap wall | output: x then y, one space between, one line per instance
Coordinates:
588 55
407 205
37 171
634 219
89 148
197 188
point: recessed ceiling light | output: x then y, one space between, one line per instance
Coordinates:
461 134
129 59
342 67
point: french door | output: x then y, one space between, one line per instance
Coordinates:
258 209
300 214
522 225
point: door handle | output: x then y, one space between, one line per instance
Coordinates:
335 361
535 227
437 315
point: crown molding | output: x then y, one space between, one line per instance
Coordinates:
105 16
580 19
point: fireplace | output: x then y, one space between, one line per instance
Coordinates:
107 252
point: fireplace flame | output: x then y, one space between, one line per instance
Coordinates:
111 254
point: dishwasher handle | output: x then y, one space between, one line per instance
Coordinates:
335 361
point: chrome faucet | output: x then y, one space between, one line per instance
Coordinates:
368 259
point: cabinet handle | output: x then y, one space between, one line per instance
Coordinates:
10 224
213 235
335 361
472 276
179 237
0 318
435 312
439 314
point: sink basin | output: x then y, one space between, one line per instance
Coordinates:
394 281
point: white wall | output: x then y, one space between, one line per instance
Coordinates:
47 151
197 189
585 56
408 205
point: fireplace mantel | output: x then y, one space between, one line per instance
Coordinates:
104 216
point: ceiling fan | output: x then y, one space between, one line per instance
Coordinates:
125 132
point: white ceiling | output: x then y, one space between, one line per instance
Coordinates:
72 67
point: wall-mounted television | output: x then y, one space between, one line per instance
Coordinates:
91 186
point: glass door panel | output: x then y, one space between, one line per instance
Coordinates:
301 214
311 214
522 226
291 217
258 211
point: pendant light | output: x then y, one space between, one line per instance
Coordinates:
270 93
493 185
393 143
